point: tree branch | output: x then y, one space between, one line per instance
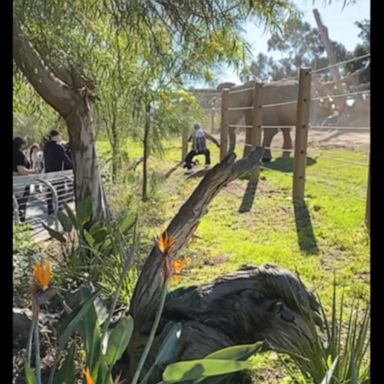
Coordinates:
147 290
54 91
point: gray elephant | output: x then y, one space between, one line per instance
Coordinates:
285 115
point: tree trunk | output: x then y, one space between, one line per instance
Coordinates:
87 180
323 30
73 105
147 127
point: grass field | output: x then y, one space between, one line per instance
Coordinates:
323 236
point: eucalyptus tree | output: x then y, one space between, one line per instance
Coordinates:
56 45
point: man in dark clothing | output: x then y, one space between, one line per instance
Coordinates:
21 167
199 147
55 160
55 157
68 152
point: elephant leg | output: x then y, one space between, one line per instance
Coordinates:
232 138
268 135
248 133
287 141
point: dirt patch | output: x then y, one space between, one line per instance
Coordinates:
323 138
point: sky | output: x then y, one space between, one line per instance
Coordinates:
339 21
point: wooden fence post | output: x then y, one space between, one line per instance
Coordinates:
368 202
301 137
257 122
184 142
213 120
224 124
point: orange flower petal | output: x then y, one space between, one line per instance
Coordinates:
165 242
42 274
88 377
179 265
176 279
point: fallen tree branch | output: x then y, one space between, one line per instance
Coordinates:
266 303
147 290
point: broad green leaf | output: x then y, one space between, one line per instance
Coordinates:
237 352
74 318
65 221
98 232
71 215
328 377
30 377
88 238
127 222
169 344
166 350
89 330
66 373
54 234
119 339
199 369
103 375
84 211
101 310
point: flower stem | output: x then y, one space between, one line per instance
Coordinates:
151 335
37 353
29 342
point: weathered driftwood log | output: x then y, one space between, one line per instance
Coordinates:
253 304
266 303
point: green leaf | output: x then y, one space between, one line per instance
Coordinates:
101 310
75 317
88 238
54 234
65 221
119 339
84 210
89 331
169 344
127 222
72 216
238 352
328 377
166 350
98 232
199 369
30 377
103 375
66 373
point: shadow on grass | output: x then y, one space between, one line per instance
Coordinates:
305 236
285 163
249 197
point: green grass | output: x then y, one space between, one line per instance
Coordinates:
331 237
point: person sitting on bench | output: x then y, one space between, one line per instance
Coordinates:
199 147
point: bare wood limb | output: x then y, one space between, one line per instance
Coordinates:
146 293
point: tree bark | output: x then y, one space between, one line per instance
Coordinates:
147 127
148 288
73 106
323 30
266 303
